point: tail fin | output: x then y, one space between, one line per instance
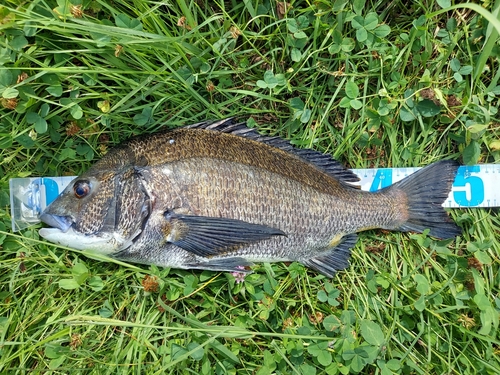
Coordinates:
426 190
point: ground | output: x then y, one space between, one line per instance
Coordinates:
373 83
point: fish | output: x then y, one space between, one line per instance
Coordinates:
218 195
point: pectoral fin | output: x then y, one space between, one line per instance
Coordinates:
208 236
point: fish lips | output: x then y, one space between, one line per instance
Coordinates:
63 223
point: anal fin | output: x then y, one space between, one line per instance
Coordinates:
334 259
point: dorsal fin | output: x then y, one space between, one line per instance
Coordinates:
323 162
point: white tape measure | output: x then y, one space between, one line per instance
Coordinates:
474 186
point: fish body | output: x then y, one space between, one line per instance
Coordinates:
219 196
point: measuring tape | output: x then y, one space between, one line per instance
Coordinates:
474 186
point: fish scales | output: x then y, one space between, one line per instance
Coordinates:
219 196
180 144
322 216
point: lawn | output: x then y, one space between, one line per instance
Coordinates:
373 83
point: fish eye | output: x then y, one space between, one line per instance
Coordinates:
81 189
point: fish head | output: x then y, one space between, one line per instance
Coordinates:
103 211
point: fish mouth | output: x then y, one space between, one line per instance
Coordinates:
63 223
71 238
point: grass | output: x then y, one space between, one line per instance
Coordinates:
373 83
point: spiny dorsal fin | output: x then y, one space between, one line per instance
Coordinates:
323 162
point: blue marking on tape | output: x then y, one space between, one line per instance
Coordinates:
382 179
51 189
473 184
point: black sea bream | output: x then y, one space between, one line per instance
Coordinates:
219 196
